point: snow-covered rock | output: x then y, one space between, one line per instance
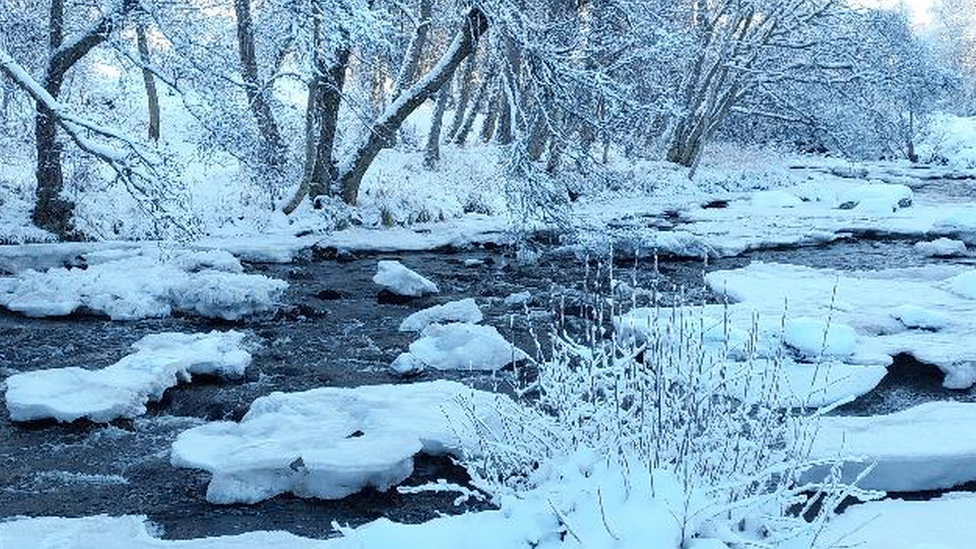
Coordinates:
942 523
813 338
463 310
160 361
331 442
461 346
406 364
927 447
144 284
941 247
517 299
394 277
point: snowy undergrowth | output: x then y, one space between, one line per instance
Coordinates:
642 428
950 140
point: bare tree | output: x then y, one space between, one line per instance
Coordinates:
152 97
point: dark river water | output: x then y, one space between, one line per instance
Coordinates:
332 331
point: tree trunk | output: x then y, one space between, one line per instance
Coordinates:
321 120
51 212
479 100
491 117
152 98
273 148
411 60
465 83
433 153
351 174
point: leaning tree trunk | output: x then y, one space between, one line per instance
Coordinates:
479 99
351 174
273 147
152 97
51 212
465 83
433 152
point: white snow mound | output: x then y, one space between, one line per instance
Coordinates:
160 361
331 442
876 198
396 278
464 310
144 284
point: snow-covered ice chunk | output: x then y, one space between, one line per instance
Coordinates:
877 198
942 523
331 442
463 310
460 346
941 247
927 447
812 337
774 198
396 278
160 361
144 284
913 316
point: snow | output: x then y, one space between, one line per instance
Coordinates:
463 310
121 390
462 346
394 277
144 283
928 447
868 302
950 139
941 247
462 232
880 198
331 442
945 522
775 198
813 338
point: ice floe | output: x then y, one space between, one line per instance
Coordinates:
463 310
159 362
942 523
394 277
332 442
136 283
891 311
928 447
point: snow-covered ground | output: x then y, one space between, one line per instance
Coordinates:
122 390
